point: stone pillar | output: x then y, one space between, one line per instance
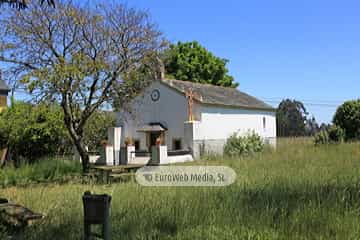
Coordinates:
109 155
163 154
130 154
191 137
114 139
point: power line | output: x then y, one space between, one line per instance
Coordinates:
309 104
304 100
318 103
287 97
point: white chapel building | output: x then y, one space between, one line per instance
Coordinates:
161 116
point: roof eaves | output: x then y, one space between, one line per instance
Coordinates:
3 86
271 109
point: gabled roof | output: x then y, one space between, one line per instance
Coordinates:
216 95
3 87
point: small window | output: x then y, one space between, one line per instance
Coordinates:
137 144
177 144
264 123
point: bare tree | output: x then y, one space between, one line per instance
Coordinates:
80 57
21 4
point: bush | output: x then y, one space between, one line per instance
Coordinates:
32 131
334 134
347 117
321 137
243 145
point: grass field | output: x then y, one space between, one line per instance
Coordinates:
60 169
296 192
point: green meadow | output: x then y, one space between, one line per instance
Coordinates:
297 191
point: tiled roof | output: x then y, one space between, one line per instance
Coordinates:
3 86
216 95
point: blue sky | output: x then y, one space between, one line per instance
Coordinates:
307 50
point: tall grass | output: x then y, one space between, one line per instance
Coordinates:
297 191
44 170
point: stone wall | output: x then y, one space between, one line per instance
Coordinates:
211 146
216 146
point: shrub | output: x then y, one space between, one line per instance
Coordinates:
243 145
32 131
347 117
321 137
334 134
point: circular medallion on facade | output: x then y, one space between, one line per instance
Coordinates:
155 95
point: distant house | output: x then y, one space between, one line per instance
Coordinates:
162 115
4 91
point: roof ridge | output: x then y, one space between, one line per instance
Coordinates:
197 83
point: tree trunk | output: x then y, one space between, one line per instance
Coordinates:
80 147
3 157
76 134
77 140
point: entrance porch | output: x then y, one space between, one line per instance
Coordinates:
153 149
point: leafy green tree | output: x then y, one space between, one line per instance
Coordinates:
347 117
190 61
291 118
96 129
32 131
78 57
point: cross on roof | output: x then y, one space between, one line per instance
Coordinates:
190 95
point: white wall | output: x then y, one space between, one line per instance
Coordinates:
170 109
221 122
216 123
